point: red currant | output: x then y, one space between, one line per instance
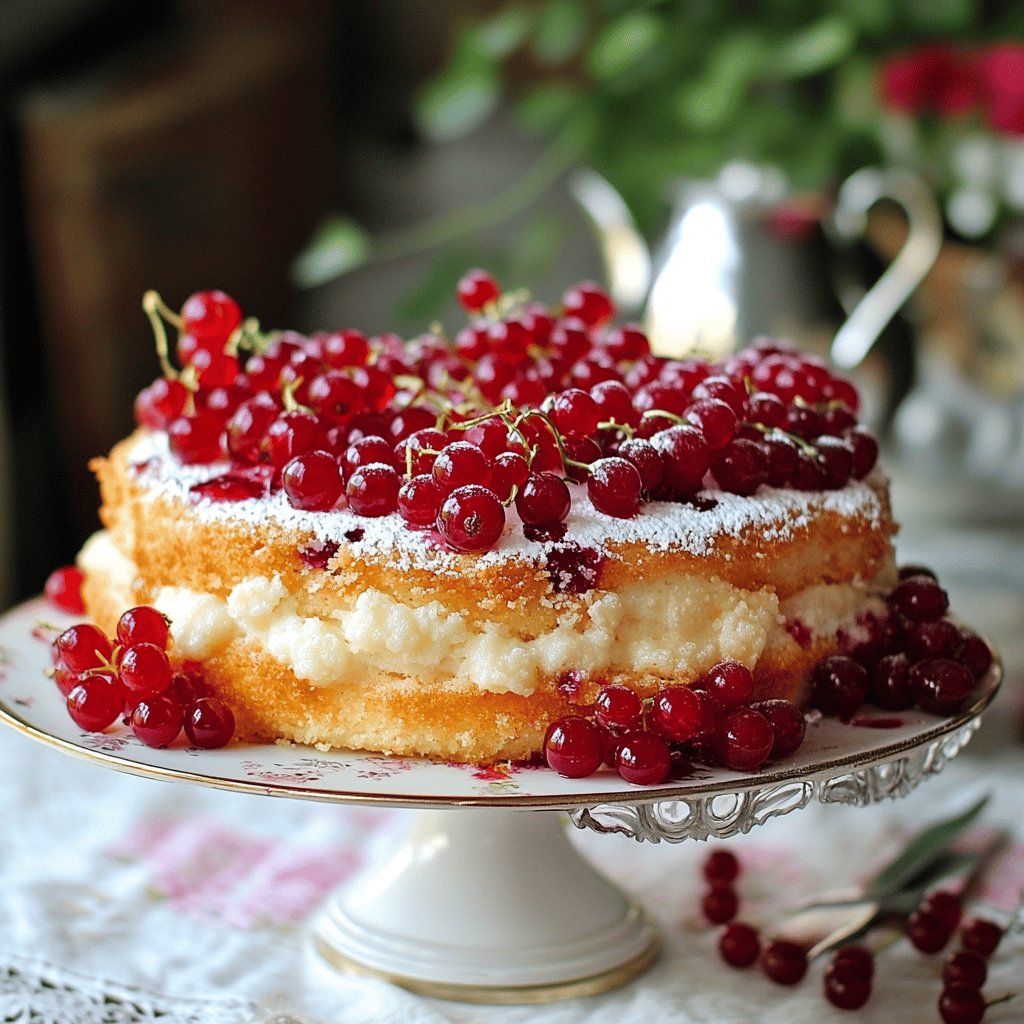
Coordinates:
944 905
575 413
614 487
981 936
788 726
940 685
419 499
839 686
161 402
209 723
730 683
63 589
720 903
83 647
676 713
143 625
196 439
156 720
927 931
960 1004
721 866
95 702
543 499
739 945
372 490
643 759
210 316
846 992
618 707
471 519
143 668
589 303
509 471
785 962
458 464
744 740
573 747
313 481
919 599
965 968
476 289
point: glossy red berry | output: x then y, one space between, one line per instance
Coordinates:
940 685
730 683
63 589
209 723
345 348
741 467
961 1004
588 303
196 440
312 481
476 289
614 487
458 464
543 499
965 968
161 402
372 490
785 962
721 866
720 903
890 683
739 945
685 458
210 316
715 419
156 720
143 624
864 449
854 961
788 726
839 686
646 460
643 759
295 433
618 707
419 499
981 936
974 654
744 740
95 702
509 471
575 413
919 599
143 668
676 713
944 905
471 519
82 647
927 931
573 747
847 992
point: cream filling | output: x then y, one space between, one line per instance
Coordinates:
676 628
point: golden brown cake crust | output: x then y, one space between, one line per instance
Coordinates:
169 543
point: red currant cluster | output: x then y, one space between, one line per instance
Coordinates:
914 655
131 677
847 980
650 741
524 400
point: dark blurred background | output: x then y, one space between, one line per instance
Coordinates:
179 146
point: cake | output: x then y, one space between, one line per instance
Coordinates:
284 503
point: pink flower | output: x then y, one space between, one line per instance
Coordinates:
934 79
1002 78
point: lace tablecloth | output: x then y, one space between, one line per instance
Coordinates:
126 900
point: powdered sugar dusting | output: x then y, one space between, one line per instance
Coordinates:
658 526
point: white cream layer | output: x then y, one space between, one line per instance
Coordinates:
678 627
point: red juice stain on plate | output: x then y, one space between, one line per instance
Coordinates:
866 722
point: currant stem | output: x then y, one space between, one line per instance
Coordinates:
152 305
805 446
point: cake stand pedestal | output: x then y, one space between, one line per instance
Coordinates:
486 900
490 906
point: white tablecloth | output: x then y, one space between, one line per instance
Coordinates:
125 900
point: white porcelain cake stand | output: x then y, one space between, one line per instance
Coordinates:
494 904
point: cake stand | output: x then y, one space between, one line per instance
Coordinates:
484 901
